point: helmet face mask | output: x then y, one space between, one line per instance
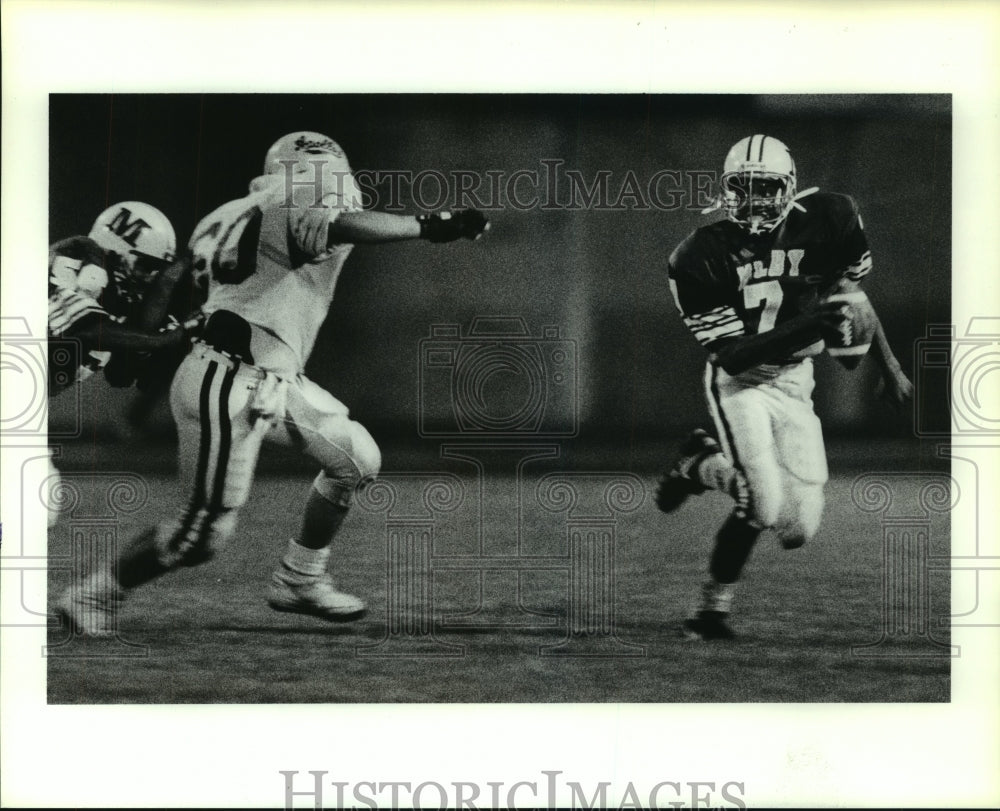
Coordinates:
758 183
755 200
145 268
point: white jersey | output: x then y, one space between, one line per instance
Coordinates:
268 259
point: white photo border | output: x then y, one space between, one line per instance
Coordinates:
218 755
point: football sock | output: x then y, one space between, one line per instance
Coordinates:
305 561
715 471
139 562
733 544
322 518
716 596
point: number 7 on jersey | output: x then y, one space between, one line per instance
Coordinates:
767 295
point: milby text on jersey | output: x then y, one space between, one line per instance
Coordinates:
729 283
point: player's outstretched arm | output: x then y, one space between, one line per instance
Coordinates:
107 336
896 388
373 227
156 301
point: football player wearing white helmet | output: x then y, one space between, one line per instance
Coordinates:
107 290
272 259
97 287
754 289
140 235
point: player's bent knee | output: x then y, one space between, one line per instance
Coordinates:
367 455
806 522
793 540
799 535
352 459
353 456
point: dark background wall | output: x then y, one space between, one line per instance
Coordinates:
598 275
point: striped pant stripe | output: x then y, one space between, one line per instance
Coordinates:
722 425
208 488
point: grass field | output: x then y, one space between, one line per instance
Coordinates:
211 638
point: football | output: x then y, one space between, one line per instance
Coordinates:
850 345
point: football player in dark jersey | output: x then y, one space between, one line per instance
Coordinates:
108 293
753 289
96 287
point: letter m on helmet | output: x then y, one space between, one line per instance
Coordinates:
129 229
133 228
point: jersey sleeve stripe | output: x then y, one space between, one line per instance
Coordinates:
67 318
73 309
861 268
67 307
717 318
720 322
705 336
70 298
711 319
61 326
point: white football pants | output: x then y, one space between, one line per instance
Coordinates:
224 410
769 431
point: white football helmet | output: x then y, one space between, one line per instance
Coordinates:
139 234
758 183
306 153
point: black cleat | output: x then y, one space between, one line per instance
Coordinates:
676 485
706 626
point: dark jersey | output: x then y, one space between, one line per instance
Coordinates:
86 286
728 283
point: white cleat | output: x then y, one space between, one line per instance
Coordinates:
300 594
91 609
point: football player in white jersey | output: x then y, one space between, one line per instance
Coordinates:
754 290
106 297
273 258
